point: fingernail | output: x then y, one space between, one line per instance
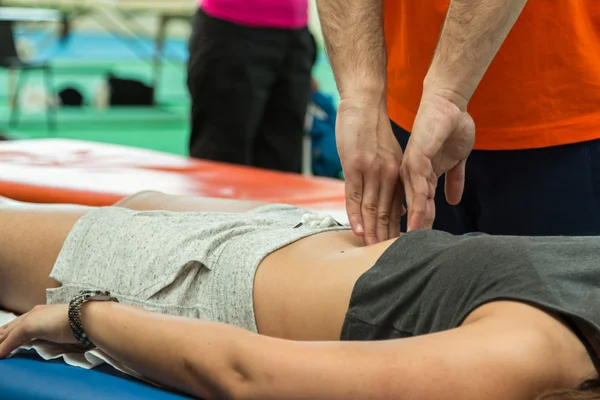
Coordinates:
359 229
408 228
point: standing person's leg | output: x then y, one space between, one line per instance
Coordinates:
540 192
229 86
279 141
457 219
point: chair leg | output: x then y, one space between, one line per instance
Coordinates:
50 108
14 112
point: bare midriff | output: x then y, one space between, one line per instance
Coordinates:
302 291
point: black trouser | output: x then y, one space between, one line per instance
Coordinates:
539 192
250 89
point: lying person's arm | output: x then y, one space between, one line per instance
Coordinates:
491 359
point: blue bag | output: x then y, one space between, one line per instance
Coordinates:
322 114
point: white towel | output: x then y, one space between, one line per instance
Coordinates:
71 356
338 215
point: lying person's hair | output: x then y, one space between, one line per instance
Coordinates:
589 390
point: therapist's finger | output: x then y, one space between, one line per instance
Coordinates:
390 180
398 210
354 198
370 206
429 217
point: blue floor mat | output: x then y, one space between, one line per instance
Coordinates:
27 377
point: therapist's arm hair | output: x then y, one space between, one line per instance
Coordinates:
492 358
353 33
471 36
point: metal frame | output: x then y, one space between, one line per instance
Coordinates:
103 11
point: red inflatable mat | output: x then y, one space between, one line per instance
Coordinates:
90 173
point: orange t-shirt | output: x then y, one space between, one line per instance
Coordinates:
541 90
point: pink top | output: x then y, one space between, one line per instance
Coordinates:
288 14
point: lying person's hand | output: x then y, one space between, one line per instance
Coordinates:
49 322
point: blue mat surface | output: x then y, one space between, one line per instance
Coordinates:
28 377
92 47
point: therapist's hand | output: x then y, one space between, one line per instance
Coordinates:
442 138
371 158
48 322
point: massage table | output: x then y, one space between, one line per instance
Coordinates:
98 174
27 377
70 171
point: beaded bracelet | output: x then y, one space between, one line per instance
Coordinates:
75 306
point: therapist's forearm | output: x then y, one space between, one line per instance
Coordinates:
472 34
199 358
353 33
